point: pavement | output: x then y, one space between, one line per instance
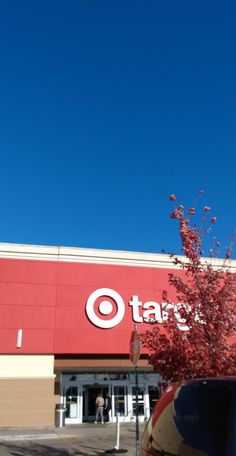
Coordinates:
84 439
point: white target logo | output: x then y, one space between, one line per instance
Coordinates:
105 308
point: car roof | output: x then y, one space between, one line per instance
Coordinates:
207 380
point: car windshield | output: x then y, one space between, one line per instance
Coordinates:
201 417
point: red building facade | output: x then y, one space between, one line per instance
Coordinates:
66 316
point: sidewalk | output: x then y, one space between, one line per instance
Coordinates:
9 434
82 431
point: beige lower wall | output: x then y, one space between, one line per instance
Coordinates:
23 366
27 395
27 402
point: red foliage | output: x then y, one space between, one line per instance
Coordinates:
210 292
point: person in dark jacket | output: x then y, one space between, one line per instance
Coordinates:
108 407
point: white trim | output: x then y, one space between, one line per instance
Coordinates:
97 256
29 377
28 252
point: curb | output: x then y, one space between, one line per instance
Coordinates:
7 438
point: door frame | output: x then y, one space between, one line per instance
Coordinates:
79 402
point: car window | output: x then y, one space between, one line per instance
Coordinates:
201 417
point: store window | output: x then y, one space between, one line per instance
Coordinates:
140 400
120 400
153 392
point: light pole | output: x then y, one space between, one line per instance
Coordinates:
134 355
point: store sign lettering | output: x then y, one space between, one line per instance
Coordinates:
142 312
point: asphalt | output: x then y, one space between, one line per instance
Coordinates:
100 438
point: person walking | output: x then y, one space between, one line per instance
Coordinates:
99 403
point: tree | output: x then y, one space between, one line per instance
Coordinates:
206 289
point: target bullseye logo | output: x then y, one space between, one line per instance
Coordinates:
105 308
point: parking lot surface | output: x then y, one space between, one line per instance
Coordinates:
83 439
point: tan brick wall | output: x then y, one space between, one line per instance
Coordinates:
27 402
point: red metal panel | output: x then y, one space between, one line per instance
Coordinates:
27 294
104 275
30 271
34 341
50 308
27 316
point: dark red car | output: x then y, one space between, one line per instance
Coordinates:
193 418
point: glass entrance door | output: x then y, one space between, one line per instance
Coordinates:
90 393
72 399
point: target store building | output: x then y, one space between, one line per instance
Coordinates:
66 318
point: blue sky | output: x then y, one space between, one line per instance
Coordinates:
107 107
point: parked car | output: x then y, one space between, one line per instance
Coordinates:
193 418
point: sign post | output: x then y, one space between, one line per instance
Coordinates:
134 355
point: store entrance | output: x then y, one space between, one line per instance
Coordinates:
90 393
79 392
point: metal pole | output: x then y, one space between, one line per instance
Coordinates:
136 408
117 447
